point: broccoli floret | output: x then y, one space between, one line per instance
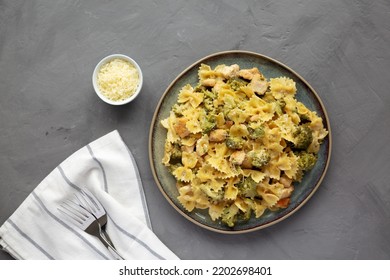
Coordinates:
268 97
245 216
280 104
209 104
234 143
177 110
207 124
173 167
175 154
214 196
303 137
229 215
229 104
259 158
236 83
209 94
306 161
199 88
208 100
247 187
304 118
256 133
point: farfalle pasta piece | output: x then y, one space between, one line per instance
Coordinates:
189 141
259 208
217 184
200 198
216 210
271 170
183 174
237 115
273 135
254 104
317 126
187 94
205 72
282 86
291 108
189 160
219 160
193 126
202 145
207 76
168 123
302 109
231 192
238 130
284 162
220 120
260 110
269 199
286 127
186 198
220 164
242 205
207 172
220 150
292 172
167 153
248 91
256 175
277 189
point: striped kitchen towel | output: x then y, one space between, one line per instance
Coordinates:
106 168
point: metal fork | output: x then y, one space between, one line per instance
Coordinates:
86 212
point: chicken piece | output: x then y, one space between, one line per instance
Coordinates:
286 182
219 85
229 124
237 157
180 127
286 192
218 135
209 82
247 163
248 74
255 118
229 71
258 84
188 149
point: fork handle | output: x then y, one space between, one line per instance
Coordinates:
115 253
110 247
105 239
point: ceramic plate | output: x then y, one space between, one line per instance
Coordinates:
270 69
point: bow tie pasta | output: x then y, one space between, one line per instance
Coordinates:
236 142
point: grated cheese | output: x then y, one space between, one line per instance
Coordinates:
118 79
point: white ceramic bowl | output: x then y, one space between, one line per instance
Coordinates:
96 86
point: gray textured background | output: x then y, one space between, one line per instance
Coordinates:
48 109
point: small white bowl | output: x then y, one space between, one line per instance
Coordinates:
96 86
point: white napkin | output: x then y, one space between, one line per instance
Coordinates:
105 167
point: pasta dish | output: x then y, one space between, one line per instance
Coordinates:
236 142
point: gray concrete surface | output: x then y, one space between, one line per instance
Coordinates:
48 109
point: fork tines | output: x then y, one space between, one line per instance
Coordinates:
81 208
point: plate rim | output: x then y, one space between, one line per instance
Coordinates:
265 225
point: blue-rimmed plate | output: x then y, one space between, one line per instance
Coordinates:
270 69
